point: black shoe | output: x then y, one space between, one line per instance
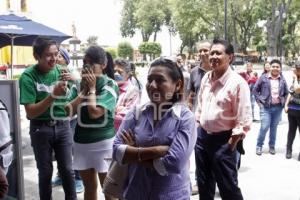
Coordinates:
288 154
258 151
272 150
299 157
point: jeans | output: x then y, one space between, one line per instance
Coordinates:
44 140
73 124
270 117
216 163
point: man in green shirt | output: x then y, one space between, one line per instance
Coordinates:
43 90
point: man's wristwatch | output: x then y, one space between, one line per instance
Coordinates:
92 92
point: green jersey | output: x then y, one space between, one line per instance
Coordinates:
94 130
35 86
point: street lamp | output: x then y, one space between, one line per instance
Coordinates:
225 19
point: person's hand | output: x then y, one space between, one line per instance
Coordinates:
294 76
286 108
162 150
69 110
83 87
190 105
128 137
234 139
59 89
119 109
90 78
65 75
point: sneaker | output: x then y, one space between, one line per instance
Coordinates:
288 154
258 151
272 150
56 181
79 186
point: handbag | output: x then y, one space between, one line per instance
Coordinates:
113 184
114 180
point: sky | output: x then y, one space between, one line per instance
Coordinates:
91 17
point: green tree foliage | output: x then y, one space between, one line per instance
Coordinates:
275 12
147 16
245 17
153 49
291 40
197 20
125 50
92 40
266 25
128 22
185 17
112 51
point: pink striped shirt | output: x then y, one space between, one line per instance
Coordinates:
224 104
274 89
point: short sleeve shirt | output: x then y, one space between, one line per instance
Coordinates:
35 86
94 130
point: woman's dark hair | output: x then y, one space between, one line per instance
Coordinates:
109 70
174 72
133 75
96 54
265 71
40 44
129 68
122 63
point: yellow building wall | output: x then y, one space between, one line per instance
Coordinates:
22 55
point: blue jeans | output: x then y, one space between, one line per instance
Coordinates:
45 139
270 117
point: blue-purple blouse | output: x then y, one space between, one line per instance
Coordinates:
169 179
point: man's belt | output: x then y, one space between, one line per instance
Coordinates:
47 122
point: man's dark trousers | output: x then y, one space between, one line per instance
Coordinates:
46 138
216 163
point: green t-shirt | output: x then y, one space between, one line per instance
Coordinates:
94 130
35 86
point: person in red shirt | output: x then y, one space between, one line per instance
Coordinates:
251 77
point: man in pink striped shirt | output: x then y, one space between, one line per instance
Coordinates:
224 117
